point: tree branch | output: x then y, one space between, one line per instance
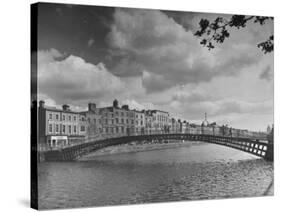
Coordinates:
217 30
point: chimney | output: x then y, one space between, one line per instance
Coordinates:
125 107
115 103
91 107
65 107
41 104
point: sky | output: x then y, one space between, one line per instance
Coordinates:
150 59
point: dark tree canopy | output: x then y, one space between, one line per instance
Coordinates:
217 31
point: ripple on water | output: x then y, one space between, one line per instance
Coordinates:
197 172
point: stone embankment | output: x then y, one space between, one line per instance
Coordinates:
129 148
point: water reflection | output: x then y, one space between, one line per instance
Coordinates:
196 172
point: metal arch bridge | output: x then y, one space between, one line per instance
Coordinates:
252 146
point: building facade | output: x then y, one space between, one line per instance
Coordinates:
60 127
122 120
129 120
174 126
117 121
148 129
94 123
139 122
160 121
107 122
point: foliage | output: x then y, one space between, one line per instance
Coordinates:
217 31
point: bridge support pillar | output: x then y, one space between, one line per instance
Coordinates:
269 153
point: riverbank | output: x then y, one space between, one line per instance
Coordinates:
129 148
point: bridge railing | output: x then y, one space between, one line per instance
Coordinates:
252 146
101 137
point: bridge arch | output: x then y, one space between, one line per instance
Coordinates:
252 146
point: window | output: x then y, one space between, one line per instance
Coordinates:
57 116
122 121
74 118
122 129
63 117
63 128
117 113
74 129
82 128
122 114
127 121
57 128
50 128
69 118
117 130
116 120
69 129
50 116
132 121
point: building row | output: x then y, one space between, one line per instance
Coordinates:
63 127
58 128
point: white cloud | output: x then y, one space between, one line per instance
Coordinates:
150 41
160 65
133 104
73 79
225 108
154 82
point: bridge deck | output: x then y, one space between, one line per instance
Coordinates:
252 146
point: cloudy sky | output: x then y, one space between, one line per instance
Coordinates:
151 59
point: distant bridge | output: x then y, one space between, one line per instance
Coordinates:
252 146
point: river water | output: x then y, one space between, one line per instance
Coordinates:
205 171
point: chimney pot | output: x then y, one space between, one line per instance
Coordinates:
65 107
41 104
